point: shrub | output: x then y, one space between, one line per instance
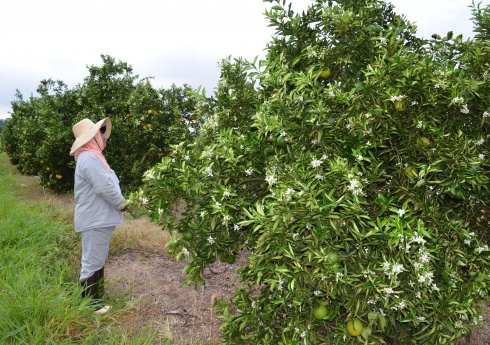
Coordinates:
363 189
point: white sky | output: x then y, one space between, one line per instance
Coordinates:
174 41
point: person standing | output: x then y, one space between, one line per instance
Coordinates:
99 204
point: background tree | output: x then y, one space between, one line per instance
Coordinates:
145 122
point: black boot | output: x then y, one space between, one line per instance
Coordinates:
91 287
101 280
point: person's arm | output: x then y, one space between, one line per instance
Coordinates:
99 177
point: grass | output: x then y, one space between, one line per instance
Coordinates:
39 253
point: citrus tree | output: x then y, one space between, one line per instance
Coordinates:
36 137
145 122
351 168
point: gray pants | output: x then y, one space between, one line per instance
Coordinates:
95 250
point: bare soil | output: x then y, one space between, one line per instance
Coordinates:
181 313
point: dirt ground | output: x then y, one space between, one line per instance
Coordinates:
183 314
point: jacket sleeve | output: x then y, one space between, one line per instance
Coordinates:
102 182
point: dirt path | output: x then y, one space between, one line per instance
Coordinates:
157 297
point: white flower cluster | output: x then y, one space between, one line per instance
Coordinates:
280 282
208 171
316 163
479 142
392 270
355 187
396 98
270 179
479 250
457 100
289 192
464 109
211 122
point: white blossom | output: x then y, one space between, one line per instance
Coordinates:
208 171
316 163
482 249
457 100
270 179
388 291
418 239
396 98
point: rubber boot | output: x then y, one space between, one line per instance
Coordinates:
91 288
101 280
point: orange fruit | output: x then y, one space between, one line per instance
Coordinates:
321 312
355 327
325 73
399 106
332 257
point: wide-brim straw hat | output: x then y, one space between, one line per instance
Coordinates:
85 130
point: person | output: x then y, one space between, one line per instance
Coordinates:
99 204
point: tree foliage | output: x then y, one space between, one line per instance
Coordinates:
145 121
364 189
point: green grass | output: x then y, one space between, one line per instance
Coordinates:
40 299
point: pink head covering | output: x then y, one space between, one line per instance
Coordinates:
95 145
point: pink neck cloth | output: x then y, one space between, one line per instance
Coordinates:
92 146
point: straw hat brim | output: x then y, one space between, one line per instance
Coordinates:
89 133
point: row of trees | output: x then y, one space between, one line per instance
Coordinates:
351 166
146 122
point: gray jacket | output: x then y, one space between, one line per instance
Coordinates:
98 198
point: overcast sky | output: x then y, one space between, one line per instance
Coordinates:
179 41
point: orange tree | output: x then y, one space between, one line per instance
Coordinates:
154 120
38 136
354 176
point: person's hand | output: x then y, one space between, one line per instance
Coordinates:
125 208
